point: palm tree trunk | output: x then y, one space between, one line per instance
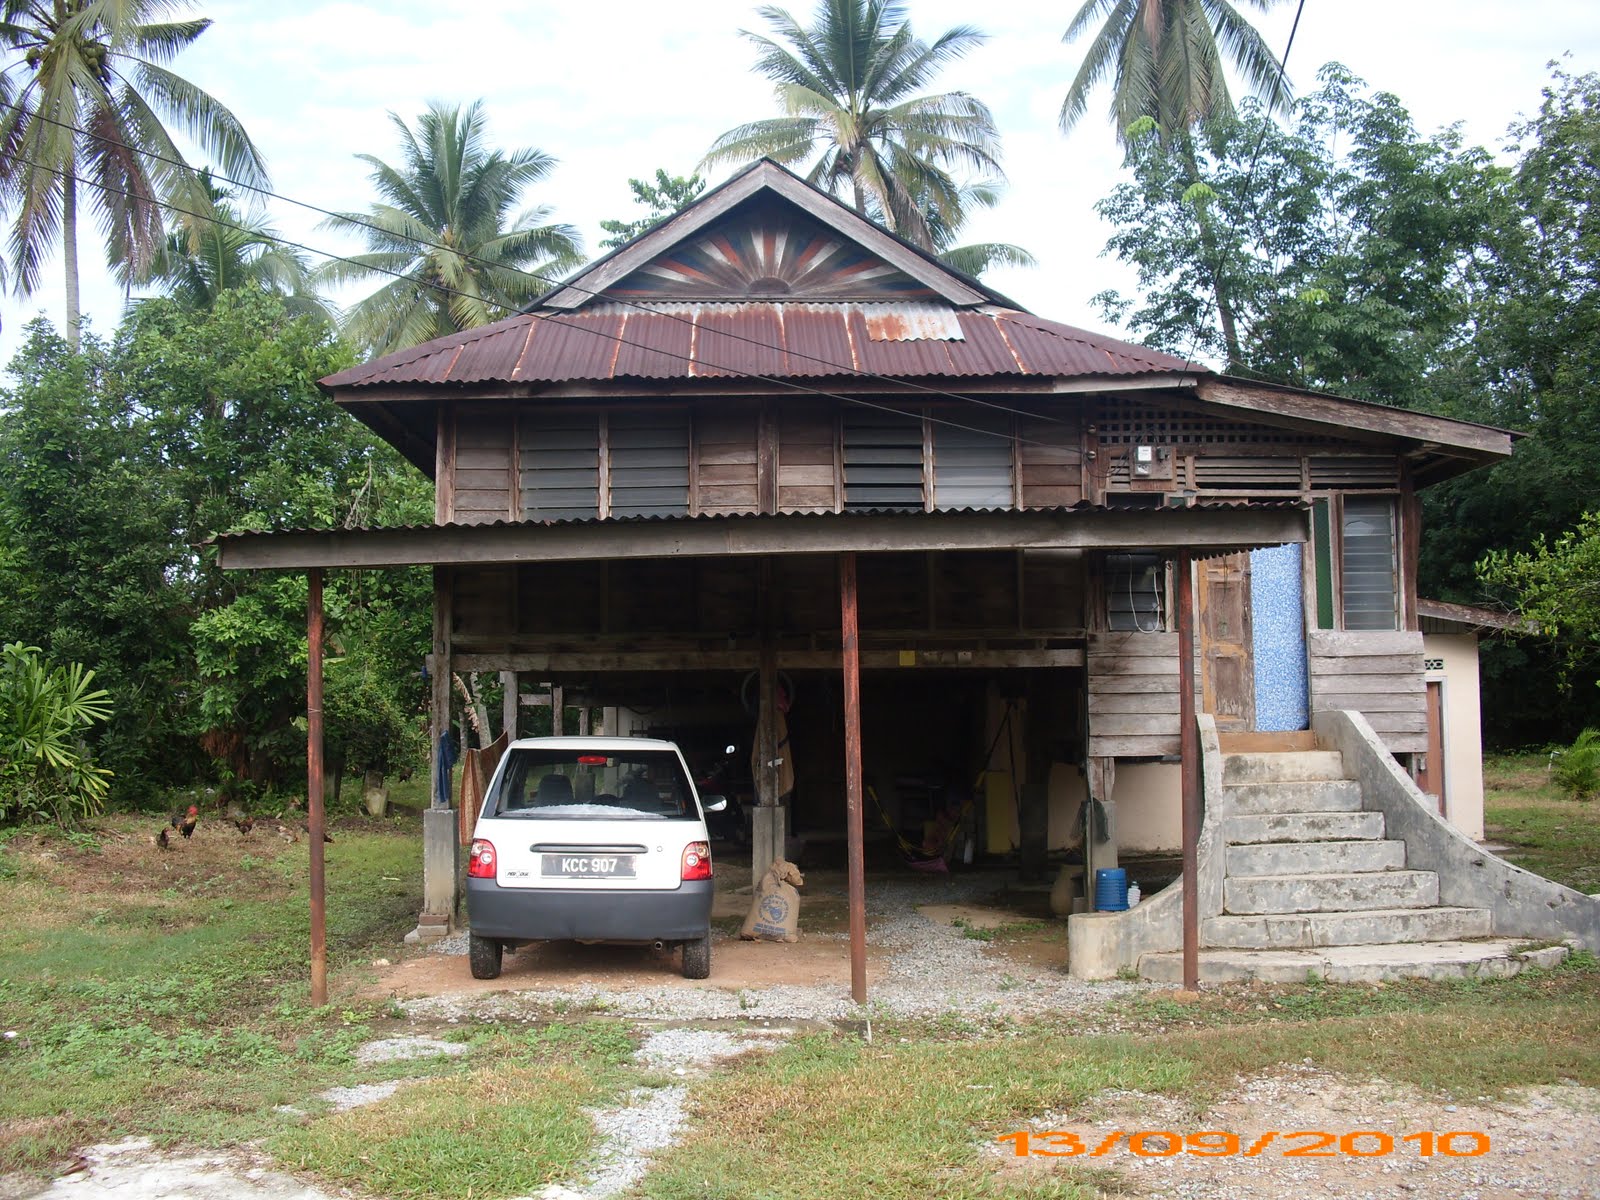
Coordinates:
1213 260
69 255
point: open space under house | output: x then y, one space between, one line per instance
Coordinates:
768 447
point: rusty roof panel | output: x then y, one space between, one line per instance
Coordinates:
984 350
738 339
908 357
654 346
818 341
572 346
491 358
683 340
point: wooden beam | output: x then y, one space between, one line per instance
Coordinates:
583 663
1200 529
315 791
1189 752
1483 442
854 836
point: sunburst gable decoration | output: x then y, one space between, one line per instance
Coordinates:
768 253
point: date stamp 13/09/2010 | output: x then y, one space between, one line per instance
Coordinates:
1220 1143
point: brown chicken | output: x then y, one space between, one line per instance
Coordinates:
162 841
244 824
184 823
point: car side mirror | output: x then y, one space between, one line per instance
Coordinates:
715 803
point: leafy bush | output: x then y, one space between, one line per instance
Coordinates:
45 769
367 729
1577 769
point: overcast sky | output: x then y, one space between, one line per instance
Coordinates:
616 89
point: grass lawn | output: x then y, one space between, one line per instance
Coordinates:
1550 834
165 994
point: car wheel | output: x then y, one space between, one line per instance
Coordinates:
484 954
697 957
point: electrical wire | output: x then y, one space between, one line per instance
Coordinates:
445 289
553 284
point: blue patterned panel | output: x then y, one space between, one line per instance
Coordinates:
1277 612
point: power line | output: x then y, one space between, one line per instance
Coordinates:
553 318
554 284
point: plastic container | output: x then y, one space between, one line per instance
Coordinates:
1110 889
1134 894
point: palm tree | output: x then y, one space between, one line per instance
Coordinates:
851 86
1165 61
88 96
443 233
204 256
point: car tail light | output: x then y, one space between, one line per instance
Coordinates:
481 862
697 861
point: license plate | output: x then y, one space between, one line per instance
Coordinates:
589 866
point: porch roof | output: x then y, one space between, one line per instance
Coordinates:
1203 529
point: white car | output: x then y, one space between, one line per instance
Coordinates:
592 839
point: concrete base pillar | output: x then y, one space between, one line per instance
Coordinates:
441 848
766 837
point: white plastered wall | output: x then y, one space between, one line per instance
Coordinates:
1452 658
1149 804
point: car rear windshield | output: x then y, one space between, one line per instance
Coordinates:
594 784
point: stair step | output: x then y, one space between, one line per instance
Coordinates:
1497 958
1265 743
1303 827
1301 931
1296 766
1305 858
1259 799
1329 892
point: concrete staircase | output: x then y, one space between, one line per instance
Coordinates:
1312 888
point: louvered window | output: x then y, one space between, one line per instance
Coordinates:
1367 563
1136 592
560 466
882 460
649 461
972 465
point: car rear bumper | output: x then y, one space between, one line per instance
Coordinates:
559 914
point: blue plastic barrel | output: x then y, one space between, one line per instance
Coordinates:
1110 889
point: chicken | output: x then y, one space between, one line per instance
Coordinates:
184 823
244 824
161 840
287 834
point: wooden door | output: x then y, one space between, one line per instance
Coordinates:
1430 770
1227 671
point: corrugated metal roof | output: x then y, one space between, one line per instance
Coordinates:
797 340
1083 506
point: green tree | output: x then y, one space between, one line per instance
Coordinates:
446 235
116 466
851 86
207 255
89 95
1353 249
662 198
1166 60
1557 584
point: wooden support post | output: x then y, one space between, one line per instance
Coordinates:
558 710
439 679
848 614
1189 752
315 788
508 704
